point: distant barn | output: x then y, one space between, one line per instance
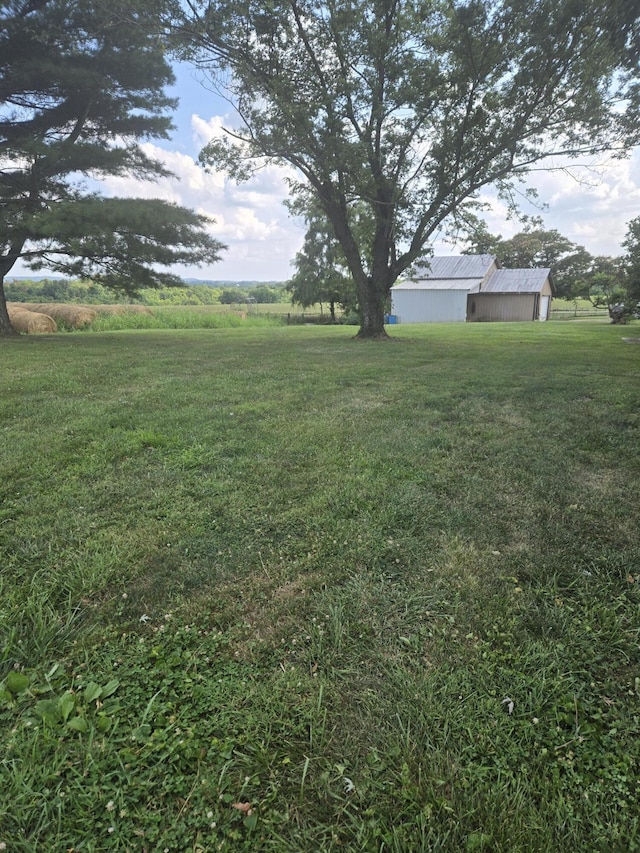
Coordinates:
471 288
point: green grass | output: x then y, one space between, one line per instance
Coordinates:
187 317
271 589
196 317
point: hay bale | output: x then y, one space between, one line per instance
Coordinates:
75 316
78 315
23 306
31 322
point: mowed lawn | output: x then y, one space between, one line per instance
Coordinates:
277 590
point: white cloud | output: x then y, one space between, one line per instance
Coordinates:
250 218
205 131
589 204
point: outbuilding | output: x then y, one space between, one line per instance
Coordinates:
473 288
438 291
512 295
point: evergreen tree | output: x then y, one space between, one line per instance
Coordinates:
81 87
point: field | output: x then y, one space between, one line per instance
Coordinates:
272 589
72 317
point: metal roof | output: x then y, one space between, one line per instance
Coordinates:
469 284
517 281
456 267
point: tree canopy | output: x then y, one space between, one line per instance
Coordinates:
81 87
535 246
410 108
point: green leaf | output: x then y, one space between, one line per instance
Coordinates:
478 841
66 704
54 669
110 688
251 821
17 682
78 724
49 711
103 723
92 692
5 695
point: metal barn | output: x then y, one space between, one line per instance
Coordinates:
471 288
438 292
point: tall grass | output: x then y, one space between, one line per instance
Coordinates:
181 318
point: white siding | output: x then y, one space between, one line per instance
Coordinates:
429 306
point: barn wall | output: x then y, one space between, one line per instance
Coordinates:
429 306
502 307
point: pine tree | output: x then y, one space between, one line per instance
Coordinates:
82 85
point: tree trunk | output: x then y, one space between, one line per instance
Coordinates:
374 294
5 323
372 289
371 316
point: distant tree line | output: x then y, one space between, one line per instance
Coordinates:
260 293
92 293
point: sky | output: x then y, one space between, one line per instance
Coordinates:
250 218
591 206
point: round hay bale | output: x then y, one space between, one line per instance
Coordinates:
20 306
75 316
23 306
31 322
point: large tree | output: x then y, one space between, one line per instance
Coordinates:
410 107
604 286
81 87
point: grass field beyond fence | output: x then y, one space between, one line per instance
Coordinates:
272 589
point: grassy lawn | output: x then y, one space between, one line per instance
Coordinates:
270 589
